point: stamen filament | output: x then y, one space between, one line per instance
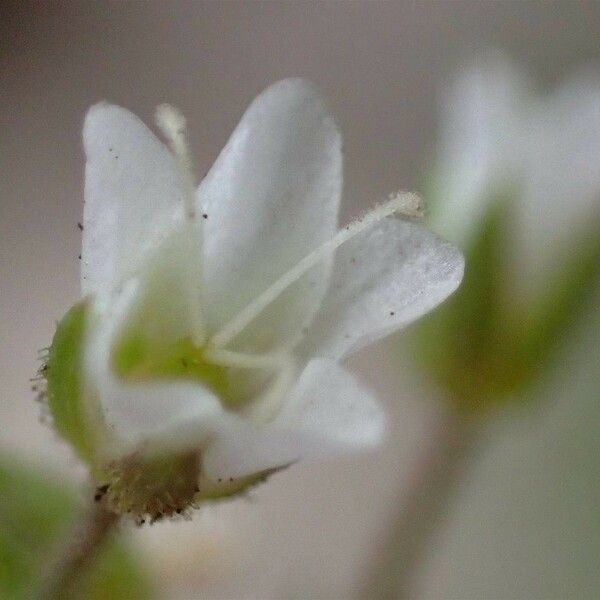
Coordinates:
271 402
283 364
173 126
228 358
408 204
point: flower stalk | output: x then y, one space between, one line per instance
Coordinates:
452 442
79 552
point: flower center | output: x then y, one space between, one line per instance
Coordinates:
137 358
243 382
253 383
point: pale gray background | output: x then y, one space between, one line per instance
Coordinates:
310 533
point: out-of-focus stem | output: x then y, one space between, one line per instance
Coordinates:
78 554
406 542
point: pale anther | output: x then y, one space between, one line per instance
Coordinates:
173 126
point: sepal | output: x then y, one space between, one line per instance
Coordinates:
488 344
65 386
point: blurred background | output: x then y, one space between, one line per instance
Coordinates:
491 110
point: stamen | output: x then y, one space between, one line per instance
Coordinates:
173 125
407 204
282 363
269 405
228 358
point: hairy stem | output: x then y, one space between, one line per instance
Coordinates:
436 477
79 553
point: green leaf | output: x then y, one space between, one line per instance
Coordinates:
36 512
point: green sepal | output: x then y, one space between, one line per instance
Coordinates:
230 488
64 376
459 343
484 346
36 512
563 305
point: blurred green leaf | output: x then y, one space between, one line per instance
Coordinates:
36 513
483 346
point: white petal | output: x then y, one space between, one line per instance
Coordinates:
166 411
242 450
328 412
382 280
561 179
481 142
167 303
498 137
271 197
175 415
331 405
132 193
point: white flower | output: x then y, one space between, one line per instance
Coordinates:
217 317
499 134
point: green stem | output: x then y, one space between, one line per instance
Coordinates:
79 553
405 546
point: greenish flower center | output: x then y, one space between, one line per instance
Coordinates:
138 357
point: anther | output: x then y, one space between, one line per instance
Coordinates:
173 126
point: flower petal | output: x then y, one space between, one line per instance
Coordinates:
382 280
243 450
161 415
135 412
328 412
330 404
271 197
481 142
560 179
132 193
167 303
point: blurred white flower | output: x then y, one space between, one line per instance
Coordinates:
498 133
216 318
517 186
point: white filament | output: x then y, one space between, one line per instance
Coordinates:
407 204
268 404
228 358
173 126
